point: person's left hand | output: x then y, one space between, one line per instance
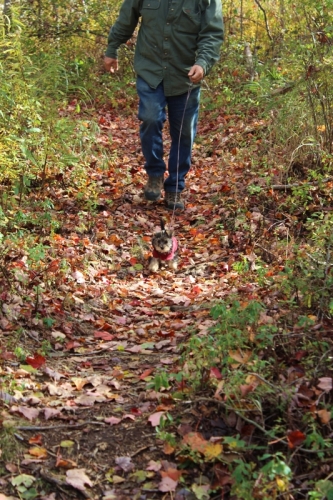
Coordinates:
196 73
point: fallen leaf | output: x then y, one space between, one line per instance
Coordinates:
324 416
50 413
155 418
79 278
195 441
65 463
36 361
168 449
295 438
215 373
125 463
79 382
167 484
23 479
201 491
78 479
38 452
29 413
212 450
154 466
66 443
325 383
103 335
112 420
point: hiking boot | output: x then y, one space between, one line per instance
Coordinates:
174 201
153 188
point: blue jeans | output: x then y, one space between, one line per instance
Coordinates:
152 105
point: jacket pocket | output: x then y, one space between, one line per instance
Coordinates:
190 20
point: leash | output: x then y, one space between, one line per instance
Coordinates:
178 153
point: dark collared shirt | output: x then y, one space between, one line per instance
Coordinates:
173 36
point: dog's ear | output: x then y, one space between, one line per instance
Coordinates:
169 233
162 224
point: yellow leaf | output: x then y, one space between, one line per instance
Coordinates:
212 450
282 484
38 452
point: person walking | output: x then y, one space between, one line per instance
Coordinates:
178 42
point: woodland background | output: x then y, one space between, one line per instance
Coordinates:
229 362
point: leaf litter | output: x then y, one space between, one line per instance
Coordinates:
107 325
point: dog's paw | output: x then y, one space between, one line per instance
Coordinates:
173 264
154 265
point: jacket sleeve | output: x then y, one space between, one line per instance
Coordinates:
123 28
211 35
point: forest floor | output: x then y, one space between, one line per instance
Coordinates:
88 332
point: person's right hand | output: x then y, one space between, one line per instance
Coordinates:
110 64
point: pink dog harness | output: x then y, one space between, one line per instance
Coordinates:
167 256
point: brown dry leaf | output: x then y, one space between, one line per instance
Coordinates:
65 463
167 484
325 383
324 415
196 441
154 466
125 463
78 479
112 420
241 356
168 449
29 413
79 382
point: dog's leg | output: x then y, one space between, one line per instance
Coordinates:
173 264
154 264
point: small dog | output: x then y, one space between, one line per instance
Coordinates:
165 249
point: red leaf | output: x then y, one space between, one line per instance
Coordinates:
36 439
215 373
36 361
295 438
146 373
103 335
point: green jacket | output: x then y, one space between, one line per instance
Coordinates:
173 36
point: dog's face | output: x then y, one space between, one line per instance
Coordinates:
162 242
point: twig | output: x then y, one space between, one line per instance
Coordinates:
258 426
60 484
139 451
281 187
321 263
266 20
51 427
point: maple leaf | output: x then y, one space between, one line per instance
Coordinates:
36 361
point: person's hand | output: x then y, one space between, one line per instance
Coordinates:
110 64
196 73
